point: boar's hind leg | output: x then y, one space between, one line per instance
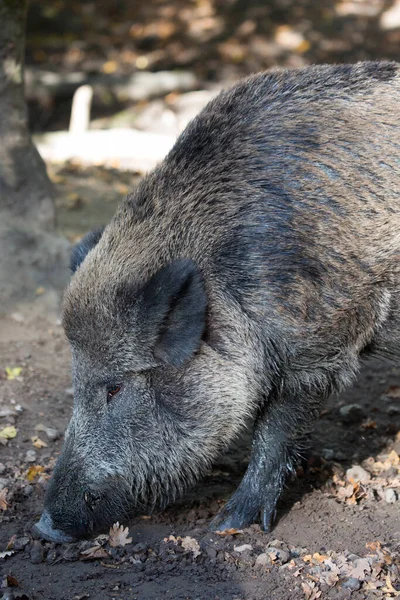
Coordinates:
280 433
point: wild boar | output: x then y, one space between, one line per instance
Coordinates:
243 278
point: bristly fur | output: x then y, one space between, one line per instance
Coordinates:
246 276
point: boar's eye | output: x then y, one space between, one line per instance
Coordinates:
112 390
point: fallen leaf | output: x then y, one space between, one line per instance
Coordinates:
307 558
33 472
12 581
329 578
357 569
109 67
320 558
3 499
368 424
191 545
13 372
231 531
94 553
172 538
8 432
37 442
393 392
374 546
389 589
273 556
119 535
311 592
393 458
11 541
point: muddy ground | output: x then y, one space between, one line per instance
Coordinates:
337 534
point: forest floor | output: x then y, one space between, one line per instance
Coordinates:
338 531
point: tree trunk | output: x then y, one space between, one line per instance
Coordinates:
32 259
25 189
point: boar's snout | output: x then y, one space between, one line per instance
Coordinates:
44 528
76 509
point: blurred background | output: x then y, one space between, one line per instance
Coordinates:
149 66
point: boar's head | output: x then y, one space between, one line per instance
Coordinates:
145 421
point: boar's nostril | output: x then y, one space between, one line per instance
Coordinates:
91 499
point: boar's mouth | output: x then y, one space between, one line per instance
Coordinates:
45 530
70 515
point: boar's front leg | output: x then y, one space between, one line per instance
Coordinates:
281 433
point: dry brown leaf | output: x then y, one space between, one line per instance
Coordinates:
389 589
393 458
231 531
345 492
12 581
311 592
3 499
273 556
368 424
94 553
320 558
119 535
307 558
10 542
373 546
191 545
357 569
393 391
172 538
33 472
329 578
37 442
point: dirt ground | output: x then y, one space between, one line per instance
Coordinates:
337 534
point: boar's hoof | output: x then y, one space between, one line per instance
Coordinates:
234 517
44 528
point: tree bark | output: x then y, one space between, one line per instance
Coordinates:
25 189
32 259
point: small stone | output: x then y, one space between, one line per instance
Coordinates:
243 548
37 553
393 409
20 543
211 552
52 434
282 555
352 584
2 468
69 391
139 547
262 560
391 496
18 317
328 453
4 483
351 413
358 474
30 456
28 490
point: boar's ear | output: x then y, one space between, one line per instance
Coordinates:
173 310
82 248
